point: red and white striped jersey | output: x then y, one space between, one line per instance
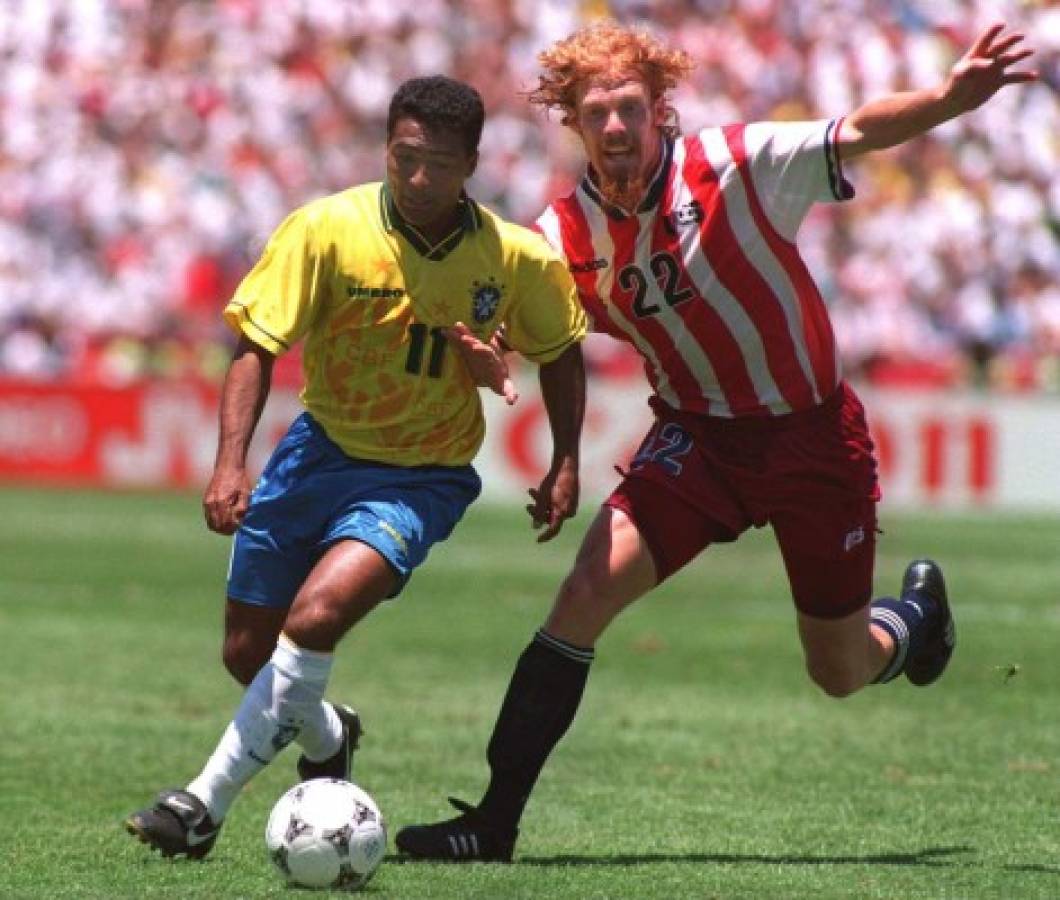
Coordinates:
705 279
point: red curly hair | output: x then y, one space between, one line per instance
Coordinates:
614 53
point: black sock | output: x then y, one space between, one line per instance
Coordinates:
904 620
542 698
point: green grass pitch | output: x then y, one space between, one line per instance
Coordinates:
703 764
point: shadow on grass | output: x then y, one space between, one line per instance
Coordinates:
1034 867
931 856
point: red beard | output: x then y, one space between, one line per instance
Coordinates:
625 193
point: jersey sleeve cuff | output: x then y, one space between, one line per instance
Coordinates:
552 353
841 188
238 318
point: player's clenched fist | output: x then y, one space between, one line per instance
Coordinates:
226 499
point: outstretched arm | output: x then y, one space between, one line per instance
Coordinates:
976 77
563 391
243 397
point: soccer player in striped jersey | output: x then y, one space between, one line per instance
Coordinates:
394 288
685 247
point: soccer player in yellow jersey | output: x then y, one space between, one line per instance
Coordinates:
396 290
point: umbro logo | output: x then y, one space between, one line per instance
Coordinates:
591 265
396 535
854 538
363 292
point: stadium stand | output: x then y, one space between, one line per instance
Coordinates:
148 148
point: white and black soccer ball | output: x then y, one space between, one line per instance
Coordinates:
326 833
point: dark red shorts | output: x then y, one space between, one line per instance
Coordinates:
698 480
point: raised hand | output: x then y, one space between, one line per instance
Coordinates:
987 67
485 362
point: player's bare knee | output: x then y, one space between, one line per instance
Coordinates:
583 608
836 681
584 589
244 654
319 631
319 622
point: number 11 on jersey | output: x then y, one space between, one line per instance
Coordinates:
418 333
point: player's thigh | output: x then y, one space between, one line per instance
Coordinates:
676 498
677 513
271 553
374 543
820 493
829 552
279 540
403 513
347 583
645 532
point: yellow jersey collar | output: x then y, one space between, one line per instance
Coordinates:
470 222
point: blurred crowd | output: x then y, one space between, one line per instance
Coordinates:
148 148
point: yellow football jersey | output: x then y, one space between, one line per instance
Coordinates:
370 297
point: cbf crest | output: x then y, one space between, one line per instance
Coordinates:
485 298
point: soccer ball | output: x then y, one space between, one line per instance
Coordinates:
326 833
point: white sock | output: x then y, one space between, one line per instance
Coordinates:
288 690
321 734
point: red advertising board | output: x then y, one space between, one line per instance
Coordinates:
942 450
152 434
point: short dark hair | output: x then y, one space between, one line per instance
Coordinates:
439 103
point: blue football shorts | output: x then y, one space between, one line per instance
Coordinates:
312 495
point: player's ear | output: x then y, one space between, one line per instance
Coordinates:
659 111
472 164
